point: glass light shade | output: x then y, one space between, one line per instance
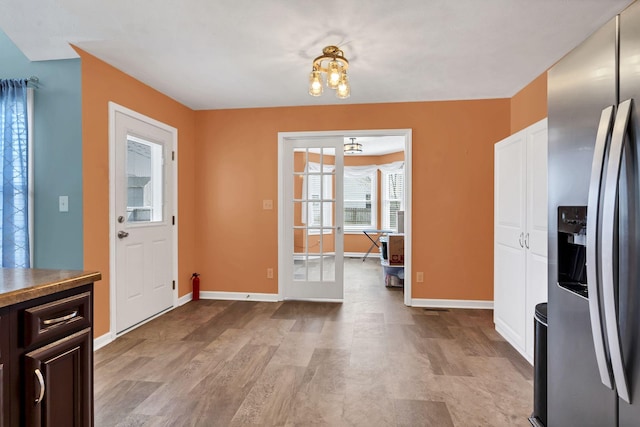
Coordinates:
315 83
333 75
344 90
352 147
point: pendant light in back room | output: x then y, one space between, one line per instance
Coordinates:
352 147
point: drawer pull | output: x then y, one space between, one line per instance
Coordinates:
70 316
41 381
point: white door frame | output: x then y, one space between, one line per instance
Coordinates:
407 134
113 109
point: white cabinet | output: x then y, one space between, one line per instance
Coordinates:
520 234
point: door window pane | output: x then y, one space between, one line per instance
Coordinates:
144 181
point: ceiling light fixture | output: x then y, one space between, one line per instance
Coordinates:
352 147
333 63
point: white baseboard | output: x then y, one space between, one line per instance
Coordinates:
451 303
372 254
185 299
337 300
239 296
102 340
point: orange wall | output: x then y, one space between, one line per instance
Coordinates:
452 189
219 217
530 104
102 83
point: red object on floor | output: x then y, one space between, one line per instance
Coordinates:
195 278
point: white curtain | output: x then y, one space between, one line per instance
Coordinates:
358 171
392 167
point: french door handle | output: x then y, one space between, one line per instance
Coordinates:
122 234
594 217
520 240
526 241
38 375
608 250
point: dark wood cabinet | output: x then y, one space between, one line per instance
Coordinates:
46 359
58 382
4 375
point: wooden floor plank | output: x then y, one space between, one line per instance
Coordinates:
368 361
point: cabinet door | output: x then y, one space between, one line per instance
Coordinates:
509 227
58 383
537 231
5 410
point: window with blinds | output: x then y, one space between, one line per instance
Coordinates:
392 198
360 201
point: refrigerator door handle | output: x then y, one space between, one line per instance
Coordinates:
593 278
608 250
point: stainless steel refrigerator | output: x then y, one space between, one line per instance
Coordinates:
594 230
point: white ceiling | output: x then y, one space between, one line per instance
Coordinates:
215 54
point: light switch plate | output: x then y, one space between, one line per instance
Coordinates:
63 203
267 204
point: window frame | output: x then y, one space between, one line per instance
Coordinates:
356 229
385 201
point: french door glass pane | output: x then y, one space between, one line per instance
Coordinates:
313 212
329 268
314 264
300 268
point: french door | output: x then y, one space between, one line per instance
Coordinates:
312 219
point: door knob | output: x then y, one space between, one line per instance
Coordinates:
122 234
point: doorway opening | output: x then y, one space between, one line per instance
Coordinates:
373 208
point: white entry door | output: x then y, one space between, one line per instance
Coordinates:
143 220
313 216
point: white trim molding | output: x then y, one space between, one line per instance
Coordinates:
185 299
336 300
451 303
407 135
102 340
239 296
361 254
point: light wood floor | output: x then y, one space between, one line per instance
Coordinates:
370 361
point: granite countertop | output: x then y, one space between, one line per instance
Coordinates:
22 284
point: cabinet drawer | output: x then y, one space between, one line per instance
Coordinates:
47 321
